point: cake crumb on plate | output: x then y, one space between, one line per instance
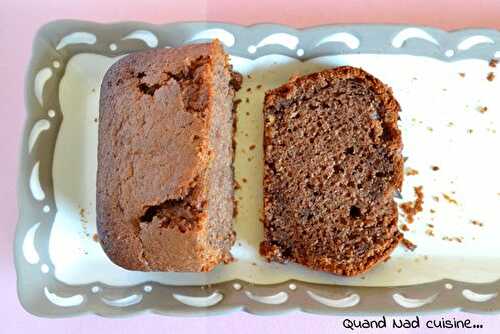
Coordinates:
450 199
482 109
410 209
477 223
409 245
452 239
410 171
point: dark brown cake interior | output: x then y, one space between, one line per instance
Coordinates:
332 162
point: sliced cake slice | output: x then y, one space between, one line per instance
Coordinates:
332 162
165 177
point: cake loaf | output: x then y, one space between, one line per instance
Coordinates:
164 176
333 161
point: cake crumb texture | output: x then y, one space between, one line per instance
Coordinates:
332 163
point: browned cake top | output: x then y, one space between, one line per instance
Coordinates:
332 162
153 146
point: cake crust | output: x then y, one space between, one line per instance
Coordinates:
332 162
164 177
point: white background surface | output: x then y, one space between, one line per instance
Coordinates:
432 94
